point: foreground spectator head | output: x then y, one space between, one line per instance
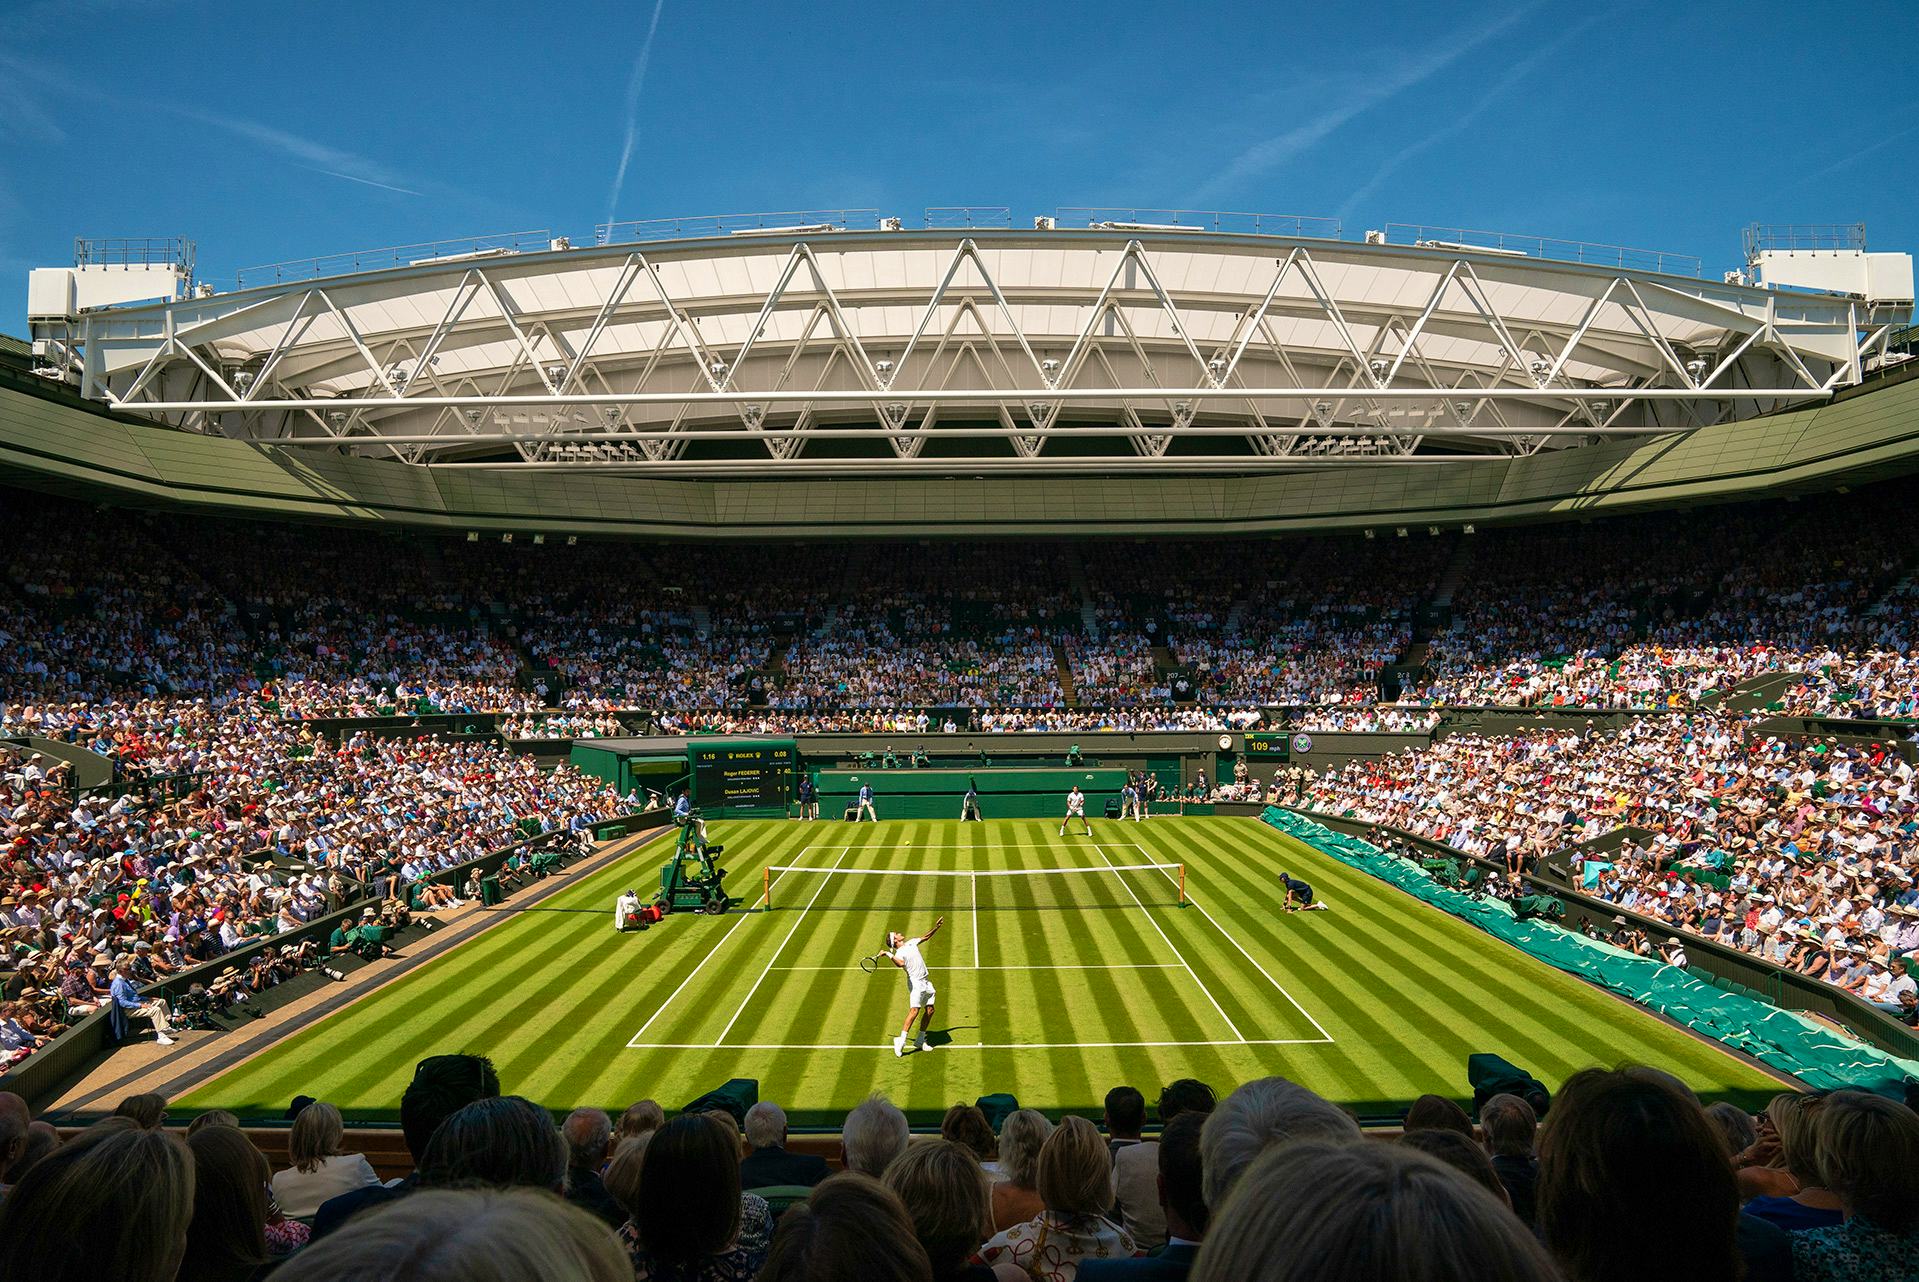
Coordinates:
473 1235
1075 1169
1341 1212
1186 1095
1634 1182
148 1110
1459 1152
1182 1180
1125 1112
506 1142
588 1133
227 1238
948 1196
442 1085
1021 1136
1436 1112
42 1139
113 1202
966 1124
213 1117
1262 1113
640 1118
689 1205
1735 1125
317 1134
1867 1148
875 1133
15 1119
1510 1126
766 1125
851 1227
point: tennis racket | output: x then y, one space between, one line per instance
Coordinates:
871 965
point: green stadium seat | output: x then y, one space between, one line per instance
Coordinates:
779 1197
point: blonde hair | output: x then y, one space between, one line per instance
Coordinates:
948 1196
639 1118
1867 1152
114 1202
622 1177
1317 1211
316 1135
1021 1136
1795 1119
467 1235
1075 1170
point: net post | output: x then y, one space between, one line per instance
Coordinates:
1182 885
766 890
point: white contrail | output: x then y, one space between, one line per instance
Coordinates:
355 178
633 86
1863 152
1262 156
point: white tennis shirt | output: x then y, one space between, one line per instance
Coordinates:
909 952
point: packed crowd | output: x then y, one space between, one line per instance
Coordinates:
1800 849
1270 1184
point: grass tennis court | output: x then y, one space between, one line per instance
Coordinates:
1053 985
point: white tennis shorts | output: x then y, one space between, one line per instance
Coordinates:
920 994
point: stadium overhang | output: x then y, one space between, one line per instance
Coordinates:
1112 349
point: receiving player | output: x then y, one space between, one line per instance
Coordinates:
969 804
866 810
905 953
1075 809
1299 896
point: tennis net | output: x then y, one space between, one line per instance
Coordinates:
1120 887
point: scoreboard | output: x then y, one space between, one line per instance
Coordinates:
1271 745
742 774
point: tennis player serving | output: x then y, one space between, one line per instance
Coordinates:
905 953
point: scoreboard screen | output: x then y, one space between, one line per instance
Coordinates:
1269 744
742 774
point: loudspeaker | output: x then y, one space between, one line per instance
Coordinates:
735 1097
1492 1075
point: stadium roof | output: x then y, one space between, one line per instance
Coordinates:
821 347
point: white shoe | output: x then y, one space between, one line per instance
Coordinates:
920 1045
163 1039
899 1046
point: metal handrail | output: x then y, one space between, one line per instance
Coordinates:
1623 257
502 243
699 225
1213 220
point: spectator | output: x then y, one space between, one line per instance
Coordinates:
1449 1148
503 1142
471 1235
226 1241
1763 1169
769 1164
641 1118
1633 1183
442 1085
1135 1168
1511 1127
42 1139
1016 1196
113 1202
1436 1112
1734 1123
1182 1202
948 1196
1810 1205
147 1111
1076 1188
851 1227
15 1121
1262 1113
319 1170
1339 1212
1868 1151
690 1223
1187 1095
966 1124
588 1133
212 1117
874 1134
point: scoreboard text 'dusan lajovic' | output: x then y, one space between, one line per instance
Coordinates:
742 774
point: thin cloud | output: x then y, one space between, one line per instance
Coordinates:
335 173
1269 154
1857 156
634 84
1459 124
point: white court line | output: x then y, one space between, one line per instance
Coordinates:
1182 957
967 1046
775 957
1061 966
975 882
1243 953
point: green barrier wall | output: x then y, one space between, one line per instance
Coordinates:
936 794
1777 1038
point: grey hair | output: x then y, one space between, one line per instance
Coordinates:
875 1133
477 1235
1263 1113
765 1124
1021 1136
587 1132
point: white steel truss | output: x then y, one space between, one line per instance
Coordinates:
939 349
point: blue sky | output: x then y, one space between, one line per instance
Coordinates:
275 131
